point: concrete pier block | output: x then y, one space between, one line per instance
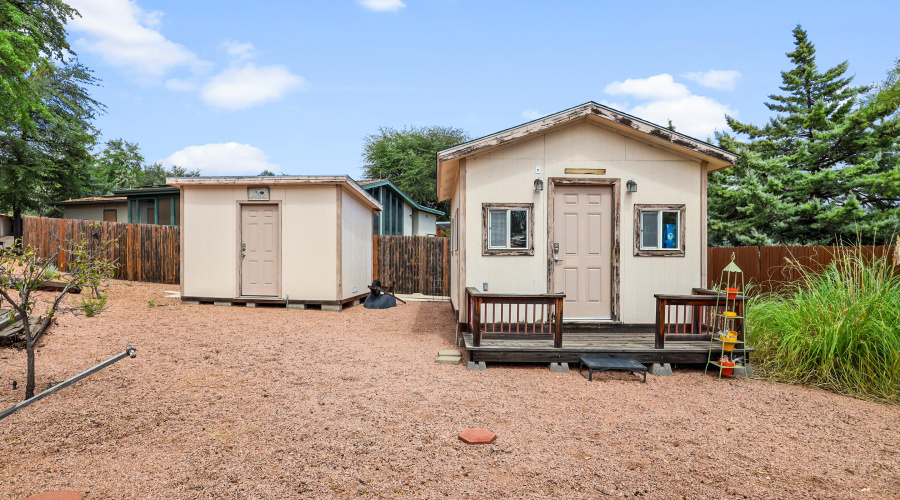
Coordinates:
479 366
661 369
559 367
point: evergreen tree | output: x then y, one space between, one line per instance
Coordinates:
823 170
48 158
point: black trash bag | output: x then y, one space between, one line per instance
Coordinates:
379 301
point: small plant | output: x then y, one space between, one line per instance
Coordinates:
52 272
92 305
151 303
835 328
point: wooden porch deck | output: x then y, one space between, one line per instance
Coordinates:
576 344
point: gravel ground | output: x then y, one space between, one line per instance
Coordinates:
273 403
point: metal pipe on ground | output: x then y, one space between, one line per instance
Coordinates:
129 351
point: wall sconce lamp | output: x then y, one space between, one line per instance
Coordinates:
538 185
631 186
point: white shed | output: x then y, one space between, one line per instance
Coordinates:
301 241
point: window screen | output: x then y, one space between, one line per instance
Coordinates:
498 230
649 229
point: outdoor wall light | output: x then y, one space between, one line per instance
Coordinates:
631 186
538 185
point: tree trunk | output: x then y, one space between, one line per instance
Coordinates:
17 228
29 384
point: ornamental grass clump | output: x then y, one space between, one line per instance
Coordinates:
838 328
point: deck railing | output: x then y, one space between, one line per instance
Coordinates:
694 317
515 316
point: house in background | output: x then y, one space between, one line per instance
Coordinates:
401 215
145 205
590 206
294 240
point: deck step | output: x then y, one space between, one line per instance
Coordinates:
449 357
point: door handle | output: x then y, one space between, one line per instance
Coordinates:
557 260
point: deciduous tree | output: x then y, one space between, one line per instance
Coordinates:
408 159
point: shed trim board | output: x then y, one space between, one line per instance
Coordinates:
240 238
611 119
340 247
285 180
615 185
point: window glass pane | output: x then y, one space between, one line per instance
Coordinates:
497 224
146 212
670 230
649 229
165 211
518 229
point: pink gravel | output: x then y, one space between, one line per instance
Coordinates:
273 403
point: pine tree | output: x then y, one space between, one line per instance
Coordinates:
823 170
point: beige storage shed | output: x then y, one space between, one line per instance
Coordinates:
297 240
590 202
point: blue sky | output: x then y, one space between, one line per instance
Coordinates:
294 86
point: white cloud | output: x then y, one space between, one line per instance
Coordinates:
715 78
531 114
126 36
230 158
382 5
181 85
656 87
249 86
664 100
240 51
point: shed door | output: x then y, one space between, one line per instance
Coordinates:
260 250
582 226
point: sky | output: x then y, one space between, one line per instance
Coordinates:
233 88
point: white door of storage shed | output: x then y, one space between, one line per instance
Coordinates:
260 250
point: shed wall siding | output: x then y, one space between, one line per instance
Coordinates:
95 212
308 243
356 241
507 174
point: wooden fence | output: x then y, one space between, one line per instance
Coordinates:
416 264
771 268
144 252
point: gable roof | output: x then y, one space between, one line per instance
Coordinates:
374 183
448 159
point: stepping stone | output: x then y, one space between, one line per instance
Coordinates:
477 436
448 360
57 495
449 352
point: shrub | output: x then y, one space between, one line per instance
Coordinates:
838 328
91 306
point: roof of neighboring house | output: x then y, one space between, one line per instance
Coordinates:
93 200
279 180
374 183
147 190
448 159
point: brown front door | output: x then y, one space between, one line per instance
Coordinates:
582 227
260 250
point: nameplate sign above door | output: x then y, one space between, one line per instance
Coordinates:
591 171
258 193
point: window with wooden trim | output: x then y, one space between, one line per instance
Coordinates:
507 229
110 215
659 230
